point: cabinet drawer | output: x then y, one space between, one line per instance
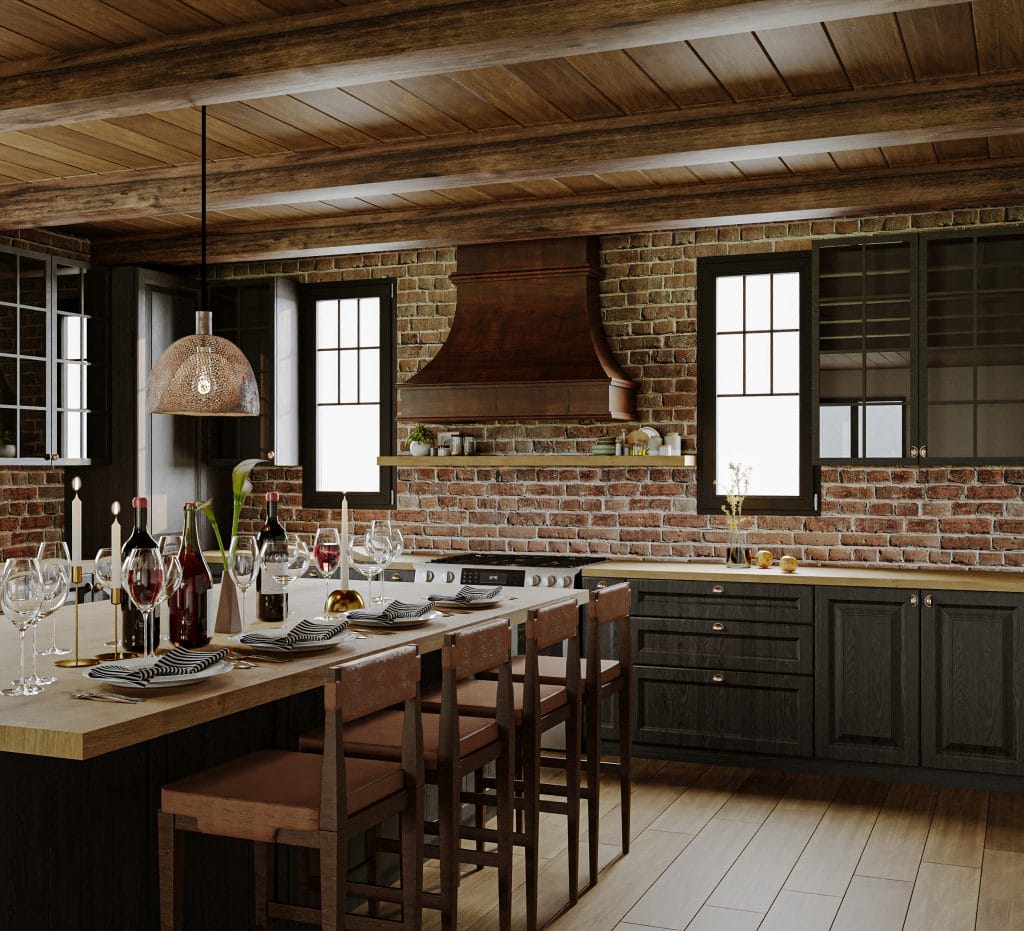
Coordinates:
724 601
758 712
734 645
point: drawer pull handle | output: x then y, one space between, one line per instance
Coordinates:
718 589
928 601
718 678
396 577
718 627
914 600
602 584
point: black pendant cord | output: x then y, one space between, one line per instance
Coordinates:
202 220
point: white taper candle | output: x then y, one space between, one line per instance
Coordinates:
344 542
115 547
76 523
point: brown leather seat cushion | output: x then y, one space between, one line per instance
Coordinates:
270 790
380 736
552 669
479 697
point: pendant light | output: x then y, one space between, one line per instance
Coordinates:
203 375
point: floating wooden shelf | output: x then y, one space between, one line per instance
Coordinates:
551 461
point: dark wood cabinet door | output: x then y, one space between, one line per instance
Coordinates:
721 710
972 661
866 675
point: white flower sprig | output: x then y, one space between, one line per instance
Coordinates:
733 507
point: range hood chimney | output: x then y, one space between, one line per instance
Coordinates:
526 342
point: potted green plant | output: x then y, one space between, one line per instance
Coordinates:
421 440
7 448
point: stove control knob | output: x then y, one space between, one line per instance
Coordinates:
535 580
429 577
567 582
552 580
449 576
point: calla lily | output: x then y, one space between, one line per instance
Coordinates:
241 487
207 508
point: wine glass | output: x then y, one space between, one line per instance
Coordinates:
56 576
243 556
327 554
103 576
395 538
21 597
378 546
169 544
144 578
284 559
172 582
55 552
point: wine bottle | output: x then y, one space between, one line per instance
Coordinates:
133 629
270 593
189 605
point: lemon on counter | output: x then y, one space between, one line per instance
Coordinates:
763 559
788 564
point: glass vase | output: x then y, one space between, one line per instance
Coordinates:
736 549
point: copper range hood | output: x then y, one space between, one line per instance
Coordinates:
526 342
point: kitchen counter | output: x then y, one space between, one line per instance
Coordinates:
895 577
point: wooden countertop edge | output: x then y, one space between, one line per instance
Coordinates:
813 575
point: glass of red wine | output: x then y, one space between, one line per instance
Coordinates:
144 580
327 556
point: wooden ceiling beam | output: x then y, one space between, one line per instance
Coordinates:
839 194
915 114
350 47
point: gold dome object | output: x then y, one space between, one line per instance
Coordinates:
343 599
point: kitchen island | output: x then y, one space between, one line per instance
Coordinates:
80 780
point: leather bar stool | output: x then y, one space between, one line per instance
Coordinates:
609 607
317 802
455 745
537 708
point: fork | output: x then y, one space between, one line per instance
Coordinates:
108 696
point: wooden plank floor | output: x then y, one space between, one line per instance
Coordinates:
729 849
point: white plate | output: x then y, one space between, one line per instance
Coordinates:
297 648
396 624
157 682
493 603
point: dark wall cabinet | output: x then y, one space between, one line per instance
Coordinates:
866 675
972 661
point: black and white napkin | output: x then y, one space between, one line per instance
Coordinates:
469 595
395 611
181 661
304 632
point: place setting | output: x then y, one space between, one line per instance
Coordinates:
178 667
306 636
468 597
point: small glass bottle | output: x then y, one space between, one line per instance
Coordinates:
133 628
189 605
270 593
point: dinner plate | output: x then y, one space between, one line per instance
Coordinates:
397 624
157 682
456 603
313 647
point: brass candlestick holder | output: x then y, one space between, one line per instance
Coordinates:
78 661
115 601
343 599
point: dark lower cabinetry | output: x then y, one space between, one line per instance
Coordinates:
972 682
884 677
866 683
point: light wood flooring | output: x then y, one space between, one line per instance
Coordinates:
728 849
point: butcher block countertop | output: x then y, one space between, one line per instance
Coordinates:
947 580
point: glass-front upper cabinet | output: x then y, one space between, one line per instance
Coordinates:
54 369
973 352
865 331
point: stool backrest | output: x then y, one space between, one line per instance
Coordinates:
611 605
553 624
556 623
474 649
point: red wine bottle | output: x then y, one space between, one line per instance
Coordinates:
190 610
270 593
133 630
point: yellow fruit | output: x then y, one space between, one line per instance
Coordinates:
788 564
763 559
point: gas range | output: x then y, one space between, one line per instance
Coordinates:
515 570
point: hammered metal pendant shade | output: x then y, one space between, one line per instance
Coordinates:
203 376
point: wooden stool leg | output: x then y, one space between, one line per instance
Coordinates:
531 817
478 809
172 874
333 876
411 827
449 805
505 778
373 905
263 870
625 759
593 727
572 781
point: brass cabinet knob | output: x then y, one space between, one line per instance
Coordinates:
718 589
718 678
913 452
924 452
927 601
914 601
718 627
602 584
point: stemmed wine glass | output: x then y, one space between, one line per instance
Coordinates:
54 552
243 556
327 554
56 576
172 582
169 544
21 597
284 559
144 581
394 536
378 546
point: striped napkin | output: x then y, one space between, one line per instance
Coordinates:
393 612
469 594
181 661
303 632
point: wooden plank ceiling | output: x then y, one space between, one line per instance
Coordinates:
339 127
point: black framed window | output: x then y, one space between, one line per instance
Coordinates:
753 381
347 395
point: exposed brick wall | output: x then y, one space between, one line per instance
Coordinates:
876 516
32 499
